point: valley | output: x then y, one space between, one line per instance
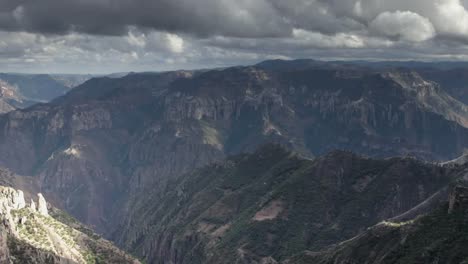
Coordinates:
278 162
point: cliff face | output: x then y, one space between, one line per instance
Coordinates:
452 80
29 234
99 149
270 205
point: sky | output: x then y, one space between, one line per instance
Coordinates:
104 36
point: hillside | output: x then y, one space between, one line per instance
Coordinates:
30 234
439 236
270 205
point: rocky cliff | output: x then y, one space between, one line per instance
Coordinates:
30 234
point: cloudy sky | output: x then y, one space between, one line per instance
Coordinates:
102 36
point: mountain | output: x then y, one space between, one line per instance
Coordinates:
102 147
35 232
438 237
71 80
452 80
270 205
23 90
450 76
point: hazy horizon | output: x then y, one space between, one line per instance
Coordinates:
104 73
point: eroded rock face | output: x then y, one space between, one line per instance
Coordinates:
11 199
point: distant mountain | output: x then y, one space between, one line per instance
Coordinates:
101 148
450 76
270 205
28 89
71 80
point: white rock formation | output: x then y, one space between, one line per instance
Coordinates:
42 205
18 200
10 199
33 205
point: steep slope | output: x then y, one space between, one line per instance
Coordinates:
266 206
432 97
30 235
438 237
454 81
107 143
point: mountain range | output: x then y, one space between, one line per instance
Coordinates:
170 166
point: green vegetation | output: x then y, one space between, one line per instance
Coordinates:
438 237
209 216
44 239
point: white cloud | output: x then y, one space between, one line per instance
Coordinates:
405 25
318 40
175 43
224 32
452 18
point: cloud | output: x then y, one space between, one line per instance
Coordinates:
175 43
243 18
407 26
120 35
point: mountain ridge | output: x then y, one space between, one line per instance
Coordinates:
268 205
100 146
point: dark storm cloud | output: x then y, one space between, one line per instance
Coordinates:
241 18
113 17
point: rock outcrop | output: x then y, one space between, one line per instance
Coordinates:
42 205
30 236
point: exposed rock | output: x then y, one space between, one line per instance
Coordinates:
42 205
270 212
33 206
10 199
29 236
